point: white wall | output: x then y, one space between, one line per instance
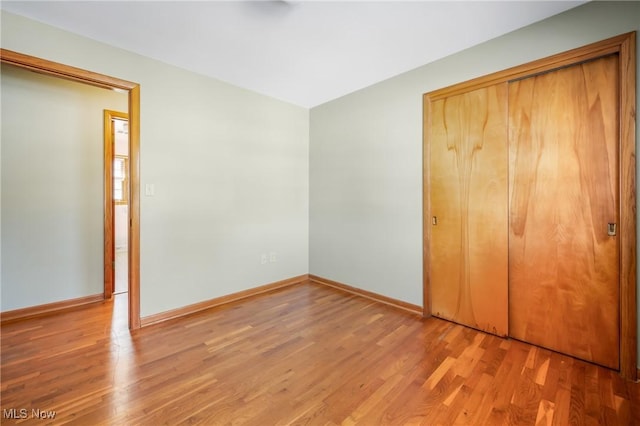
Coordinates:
52 186
366 153
230 169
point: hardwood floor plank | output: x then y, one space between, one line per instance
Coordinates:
305 354
544 417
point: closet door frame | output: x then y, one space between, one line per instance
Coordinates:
625 47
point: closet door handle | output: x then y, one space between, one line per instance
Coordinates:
434 220
611 229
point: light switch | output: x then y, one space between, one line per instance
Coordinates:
149 190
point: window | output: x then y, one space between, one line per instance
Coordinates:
120 179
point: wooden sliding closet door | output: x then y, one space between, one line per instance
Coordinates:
468 199
563 251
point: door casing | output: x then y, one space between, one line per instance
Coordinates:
67 72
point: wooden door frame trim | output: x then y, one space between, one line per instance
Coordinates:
67 72
625 46
109 214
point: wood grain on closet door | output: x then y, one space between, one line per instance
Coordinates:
469 196
563 265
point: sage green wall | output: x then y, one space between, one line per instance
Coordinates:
366 153
229 166
52 154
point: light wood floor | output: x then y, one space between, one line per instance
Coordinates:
306 354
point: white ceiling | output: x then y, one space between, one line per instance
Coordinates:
306 53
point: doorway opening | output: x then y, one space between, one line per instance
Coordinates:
121 204
116 163
133 91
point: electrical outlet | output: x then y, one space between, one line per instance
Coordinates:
263 258
273 257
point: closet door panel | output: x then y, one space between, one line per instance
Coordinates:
469 197
563 264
